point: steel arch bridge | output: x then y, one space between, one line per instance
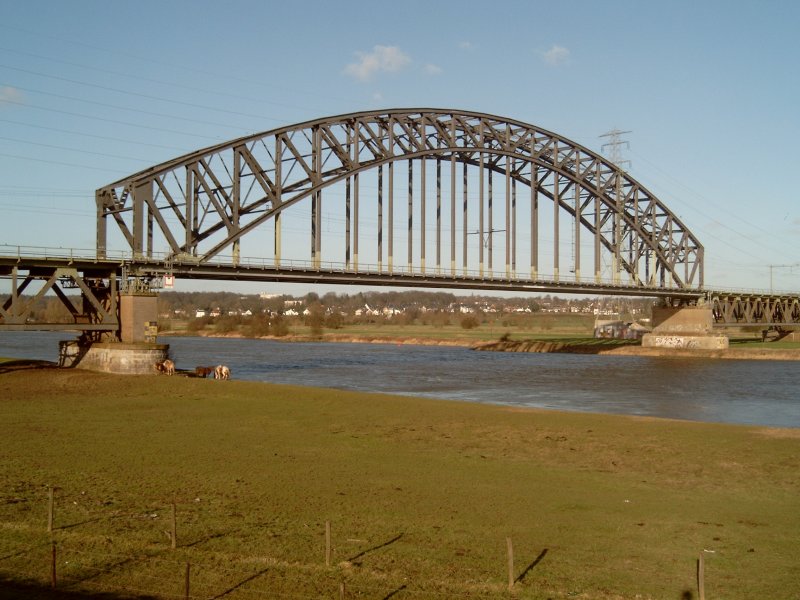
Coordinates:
407 197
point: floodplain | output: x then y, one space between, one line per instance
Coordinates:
420 497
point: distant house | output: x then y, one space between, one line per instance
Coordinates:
367 310
199 313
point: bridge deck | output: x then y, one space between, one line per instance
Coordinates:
730 307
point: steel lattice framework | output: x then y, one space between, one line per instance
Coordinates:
731 309
200 206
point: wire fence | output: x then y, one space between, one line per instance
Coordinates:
66 567
164 552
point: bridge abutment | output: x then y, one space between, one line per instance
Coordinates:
689 327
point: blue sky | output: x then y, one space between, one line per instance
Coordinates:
92 91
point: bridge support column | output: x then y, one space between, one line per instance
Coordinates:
684 327
138 317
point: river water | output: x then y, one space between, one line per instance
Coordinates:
725 391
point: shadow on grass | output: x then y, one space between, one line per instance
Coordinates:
395 592
240 584
23 551
374 548
205 539
25 590
530 567
10 366
78 524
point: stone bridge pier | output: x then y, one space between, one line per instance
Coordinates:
136 351
690 327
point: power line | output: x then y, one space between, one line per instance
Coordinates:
183 68
94 136
105 120
126 92
212 91
136 110
68 149
57 162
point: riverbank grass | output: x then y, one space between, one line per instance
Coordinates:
421 495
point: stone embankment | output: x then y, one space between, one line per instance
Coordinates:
636 350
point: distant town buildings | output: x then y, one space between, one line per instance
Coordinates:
389 305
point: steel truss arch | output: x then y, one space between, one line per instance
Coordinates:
204 203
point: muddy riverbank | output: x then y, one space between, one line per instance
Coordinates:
635 350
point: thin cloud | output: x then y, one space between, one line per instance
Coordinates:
386 59
556 56
9 95
431 69
465 45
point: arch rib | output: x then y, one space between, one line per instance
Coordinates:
233 188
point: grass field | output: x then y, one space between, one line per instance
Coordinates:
420 495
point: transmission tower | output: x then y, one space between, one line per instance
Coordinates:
615 229
615 145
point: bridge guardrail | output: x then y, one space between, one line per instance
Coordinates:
493 275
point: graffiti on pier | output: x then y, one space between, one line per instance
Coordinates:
675 341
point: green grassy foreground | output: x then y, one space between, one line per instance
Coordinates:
421 495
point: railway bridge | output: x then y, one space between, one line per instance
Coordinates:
408 197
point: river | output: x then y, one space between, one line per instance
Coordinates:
747 392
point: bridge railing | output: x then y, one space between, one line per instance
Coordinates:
160 260
400 269
58 253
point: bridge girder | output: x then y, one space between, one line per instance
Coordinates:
731 309
204 203
94 311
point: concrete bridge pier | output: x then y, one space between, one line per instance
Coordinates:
136 351
688 327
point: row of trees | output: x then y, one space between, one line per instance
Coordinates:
332 310
413 302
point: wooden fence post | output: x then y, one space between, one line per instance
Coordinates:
186 583
327 543
342 591
53 566
510 563
174 535
701 578
50 509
